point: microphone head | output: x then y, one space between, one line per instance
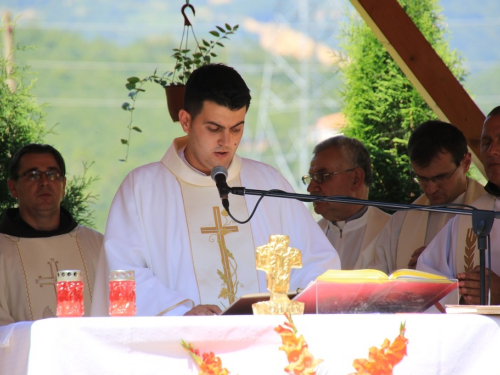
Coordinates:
218 170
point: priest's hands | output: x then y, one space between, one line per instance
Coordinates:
204 310
412 264
469 287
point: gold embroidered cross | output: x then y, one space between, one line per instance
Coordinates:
221 230
49 280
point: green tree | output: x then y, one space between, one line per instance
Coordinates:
381 105
22 121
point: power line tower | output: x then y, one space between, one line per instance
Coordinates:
298 85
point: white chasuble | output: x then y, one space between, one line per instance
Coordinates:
414 232
33 266
222 251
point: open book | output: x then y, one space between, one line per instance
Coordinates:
371 291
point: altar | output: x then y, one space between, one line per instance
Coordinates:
438 343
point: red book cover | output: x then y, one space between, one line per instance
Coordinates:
372 291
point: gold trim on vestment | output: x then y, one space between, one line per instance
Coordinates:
24 273
28 294
174 306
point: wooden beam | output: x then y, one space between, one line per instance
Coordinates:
424 68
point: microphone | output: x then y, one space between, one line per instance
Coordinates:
219 175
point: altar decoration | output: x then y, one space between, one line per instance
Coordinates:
300 359
382 361
277 259
208 363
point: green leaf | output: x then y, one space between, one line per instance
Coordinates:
124 141
213 54
220 29
228 26
133 80
130 86
137 129
215 33
205 43
219 44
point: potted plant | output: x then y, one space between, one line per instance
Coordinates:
174 81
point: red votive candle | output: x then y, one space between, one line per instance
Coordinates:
122 293
69 293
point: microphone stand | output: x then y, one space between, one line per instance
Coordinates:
482 220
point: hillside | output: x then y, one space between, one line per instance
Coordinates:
85 52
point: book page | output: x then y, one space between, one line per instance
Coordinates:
340 275
414 274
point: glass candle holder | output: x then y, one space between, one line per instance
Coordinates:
122 293
69 293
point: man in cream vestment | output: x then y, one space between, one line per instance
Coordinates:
440 160
453 252
167 222
342 166
40 237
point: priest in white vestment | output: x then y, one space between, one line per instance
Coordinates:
341 166
39 238
440 161
167 222
453 253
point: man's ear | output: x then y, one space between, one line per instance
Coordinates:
467 160
185 120
359 178
12 188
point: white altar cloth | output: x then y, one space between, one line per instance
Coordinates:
438 344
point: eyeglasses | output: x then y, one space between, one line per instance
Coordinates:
34 175
319 178
438 180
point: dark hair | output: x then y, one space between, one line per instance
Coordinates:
34 148
353 151
494 112
218 83
434 137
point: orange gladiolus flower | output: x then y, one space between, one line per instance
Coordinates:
382 361
209 364
300 359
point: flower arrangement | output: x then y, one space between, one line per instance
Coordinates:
300 359
208 363
382 361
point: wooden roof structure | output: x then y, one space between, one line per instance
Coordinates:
424 68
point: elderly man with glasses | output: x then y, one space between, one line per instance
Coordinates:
39 237
440 160
341 166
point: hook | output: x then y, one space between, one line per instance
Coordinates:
186 21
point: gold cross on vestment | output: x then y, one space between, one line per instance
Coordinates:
49 280
222 230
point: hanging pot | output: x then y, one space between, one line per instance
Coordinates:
175 100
